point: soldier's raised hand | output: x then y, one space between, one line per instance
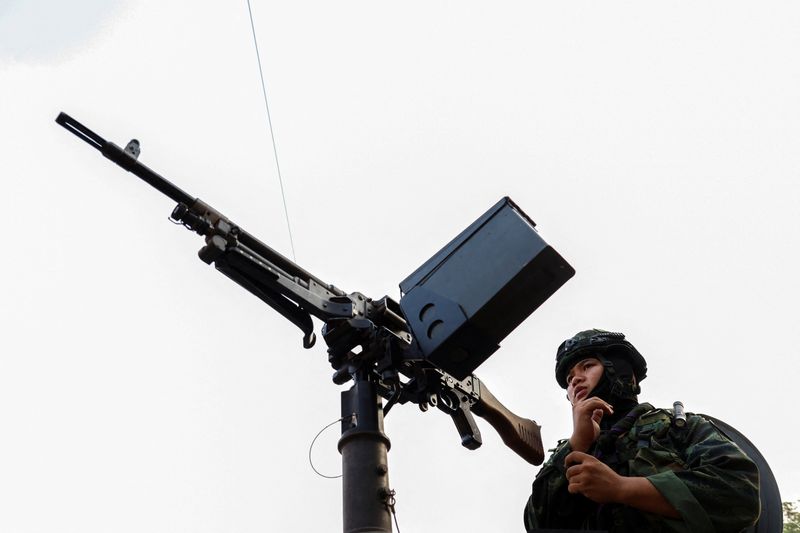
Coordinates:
586 416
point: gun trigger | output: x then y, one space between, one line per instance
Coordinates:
133 149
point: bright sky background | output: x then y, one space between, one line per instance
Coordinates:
656 145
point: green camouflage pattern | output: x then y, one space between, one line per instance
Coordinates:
711 483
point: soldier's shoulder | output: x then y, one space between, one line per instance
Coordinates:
654 414
686 428
657 421
667 415
652 419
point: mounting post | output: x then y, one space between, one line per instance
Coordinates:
365 470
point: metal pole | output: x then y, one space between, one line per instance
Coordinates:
365 471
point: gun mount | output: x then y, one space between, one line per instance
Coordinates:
454 311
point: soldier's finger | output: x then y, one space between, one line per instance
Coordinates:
574 488
575 458
596 403
573 471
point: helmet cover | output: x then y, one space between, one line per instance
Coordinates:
598 343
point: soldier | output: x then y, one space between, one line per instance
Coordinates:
629 467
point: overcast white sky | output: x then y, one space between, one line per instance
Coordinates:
655 145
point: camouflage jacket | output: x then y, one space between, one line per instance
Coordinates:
711 483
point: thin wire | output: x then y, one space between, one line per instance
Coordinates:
396 525
271 132
311 447
393 511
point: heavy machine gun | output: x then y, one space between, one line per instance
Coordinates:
454 311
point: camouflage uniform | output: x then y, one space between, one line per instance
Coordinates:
711 483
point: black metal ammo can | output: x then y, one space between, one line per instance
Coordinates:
471 294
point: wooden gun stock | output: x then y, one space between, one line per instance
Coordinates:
520 434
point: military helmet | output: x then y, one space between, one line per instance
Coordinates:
601 344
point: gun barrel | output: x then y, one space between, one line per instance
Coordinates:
124 159
127 160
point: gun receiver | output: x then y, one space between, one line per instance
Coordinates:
364 336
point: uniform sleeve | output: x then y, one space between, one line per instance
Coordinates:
550 504
716 489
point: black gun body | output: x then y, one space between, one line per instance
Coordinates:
388 346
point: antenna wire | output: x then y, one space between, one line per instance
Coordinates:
271 131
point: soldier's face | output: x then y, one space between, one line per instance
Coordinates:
583 378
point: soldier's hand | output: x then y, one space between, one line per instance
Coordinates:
586 416
591 477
